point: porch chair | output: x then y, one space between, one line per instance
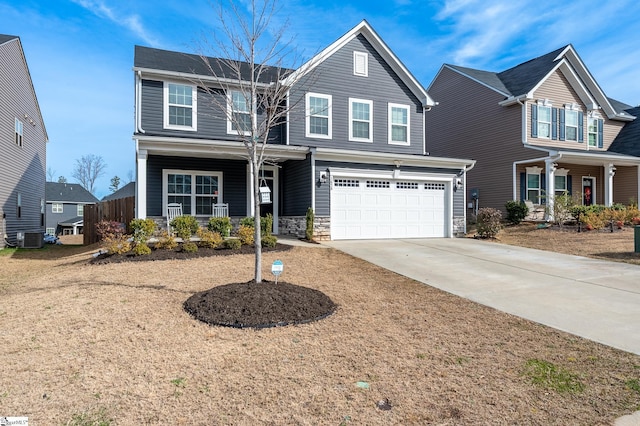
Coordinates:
534 211
220 210
173 210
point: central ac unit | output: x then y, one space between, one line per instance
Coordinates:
33 240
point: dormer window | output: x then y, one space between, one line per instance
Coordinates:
361 64
179 106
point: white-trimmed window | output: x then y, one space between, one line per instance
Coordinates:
19 127
571 125
57 208
398 124
19 206
361 64
239 113
592 131
360 120
80 210
533 184
318 117
51 231
544 121
180 106
197 191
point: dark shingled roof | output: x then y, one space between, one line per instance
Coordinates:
522 78
489 78
129 190
68 192
5 38
628 140
165 60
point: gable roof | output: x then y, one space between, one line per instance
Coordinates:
5 38
129 190
364 29
628 140
521 81
69 193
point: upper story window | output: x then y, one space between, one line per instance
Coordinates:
19 206
360 120
56 208
571 125
180 106
594 130
239 117
19 127
361 64
80 210
544 121
318 117
398 124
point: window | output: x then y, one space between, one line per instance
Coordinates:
239 121
544 121
406 185
180 106
196 191
571 125
533 185
318 118
361 64
560 185
434 186
19 132
378 184
51 231
56 208
398 124
360 122
346 183
595 128
80 210
19 206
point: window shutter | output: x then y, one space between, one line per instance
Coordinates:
562 137
543 188
523 186
534 121
600 131
580 127
554 123
569 186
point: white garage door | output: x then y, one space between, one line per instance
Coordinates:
363 208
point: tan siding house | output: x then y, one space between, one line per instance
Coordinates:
536 130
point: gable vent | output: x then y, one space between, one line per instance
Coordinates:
360 64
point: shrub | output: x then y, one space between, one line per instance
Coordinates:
109 229
245 234
247 221
185 226
488 222
593 220
166 241
562 208
141 249
516 211
266 223
118 244
189 247
233 243
221 225
310 219
208 238
578 211
269 241
142 229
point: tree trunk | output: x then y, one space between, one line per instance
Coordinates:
257 242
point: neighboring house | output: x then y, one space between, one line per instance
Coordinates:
536 130
129 190
65 207
628 140
354 151
23 140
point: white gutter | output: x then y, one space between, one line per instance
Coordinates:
313 179
533 160
197 77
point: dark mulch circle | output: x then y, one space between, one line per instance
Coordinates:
251 305
177 253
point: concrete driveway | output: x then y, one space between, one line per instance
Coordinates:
595 299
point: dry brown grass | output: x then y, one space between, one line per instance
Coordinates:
112 342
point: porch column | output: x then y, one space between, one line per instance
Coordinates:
141 184
550 170
609 173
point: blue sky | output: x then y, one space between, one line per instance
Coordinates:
80 52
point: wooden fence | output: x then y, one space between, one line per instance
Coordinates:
121 210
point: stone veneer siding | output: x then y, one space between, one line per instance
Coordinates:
297 225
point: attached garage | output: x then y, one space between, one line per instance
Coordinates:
377 207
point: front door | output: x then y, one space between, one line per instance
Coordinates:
588 190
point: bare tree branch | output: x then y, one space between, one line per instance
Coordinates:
88 169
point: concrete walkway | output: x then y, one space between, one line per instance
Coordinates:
595 299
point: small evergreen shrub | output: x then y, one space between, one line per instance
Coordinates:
209 239
140 249
189 247
516 211
166 241
247 221
309 219
142 229
269 241
221 225
118 244
245 234
488 222
185 226
266 223
233 243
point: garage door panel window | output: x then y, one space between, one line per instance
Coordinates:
346 183
434 186
378 184
407 185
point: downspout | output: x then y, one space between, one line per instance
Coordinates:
464 200
287 124
138 103
313 179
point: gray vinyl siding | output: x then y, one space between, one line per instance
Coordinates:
323 191
296 187
469 123
211 121
22 169
69 211
234 180
382 86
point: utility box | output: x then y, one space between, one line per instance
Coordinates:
636 238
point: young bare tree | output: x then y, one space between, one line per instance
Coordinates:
51 174
88 169
252 85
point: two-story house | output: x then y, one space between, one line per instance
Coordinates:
536 130
23 140
354 151
65 207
